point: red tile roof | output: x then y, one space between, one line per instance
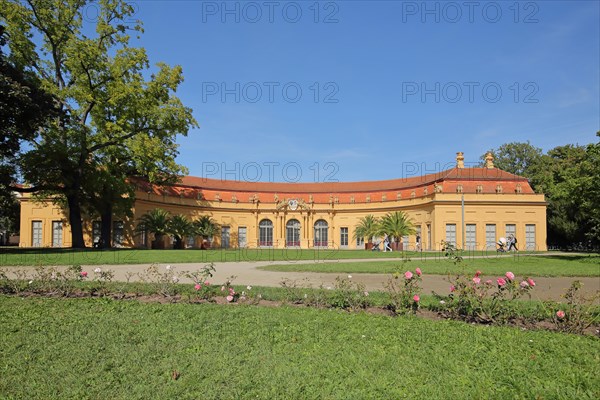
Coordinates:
486 180
351 187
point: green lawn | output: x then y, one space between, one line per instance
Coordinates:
10 256
557 265
99 349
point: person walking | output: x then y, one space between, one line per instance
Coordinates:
512 243
386 243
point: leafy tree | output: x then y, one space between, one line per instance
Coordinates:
9 216
108 194
516 158
568 177
109 110
156 222
24 107
180 227
570 180
206 227
367 227
396 225
590 187
559 177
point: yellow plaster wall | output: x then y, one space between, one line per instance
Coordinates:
435 210
498 209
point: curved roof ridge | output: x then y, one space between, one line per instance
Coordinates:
473 173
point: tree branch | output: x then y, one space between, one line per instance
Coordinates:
115 141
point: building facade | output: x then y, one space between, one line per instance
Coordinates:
470 207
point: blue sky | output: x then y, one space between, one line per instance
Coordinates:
385 85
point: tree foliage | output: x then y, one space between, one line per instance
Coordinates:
155 221
396 225
367 227
569 177
180 227
118 117
206 227
516 158
24 107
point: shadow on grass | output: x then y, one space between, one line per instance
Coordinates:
593 257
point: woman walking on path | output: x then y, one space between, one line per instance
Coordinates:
512 242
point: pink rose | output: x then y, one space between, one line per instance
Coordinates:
560 314
230 298
531 282
231 291
501 282
452 288
198 286
408 275
83 274
489 282
524 284
416 298
418 271
510 276
477 280
477 273
206 283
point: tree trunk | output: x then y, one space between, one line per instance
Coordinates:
75 221
397 245
106 228
158 242
178 245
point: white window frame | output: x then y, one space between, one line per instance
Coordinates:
57 234
344 235
265 233
321 231
490 236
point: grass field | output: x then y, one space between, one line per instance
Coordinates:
98 349
22 257
557 265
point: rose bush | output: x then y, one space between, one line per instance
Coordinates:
404 291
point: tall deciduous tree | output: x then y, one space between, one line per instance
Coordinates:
516 158
24 107
109 109
568 176
590 187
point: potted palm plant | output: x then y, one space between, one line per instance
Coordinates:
396 225
367 227
180 227
206 228
157 222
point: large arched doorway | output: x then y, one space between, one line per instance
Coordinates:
321 228
265 233
292 233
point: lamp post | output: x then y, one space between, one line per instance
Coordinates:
462 201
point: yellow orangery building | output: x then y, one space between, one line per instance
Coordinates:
471 207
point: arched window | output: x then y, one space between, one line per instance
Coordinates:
265 233
292 233
321 227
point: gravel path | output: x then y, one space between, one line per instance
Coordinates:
248 274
